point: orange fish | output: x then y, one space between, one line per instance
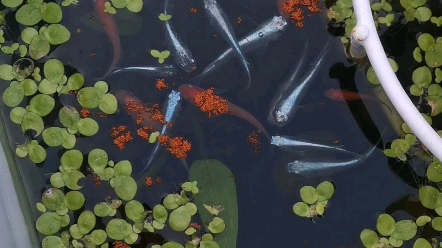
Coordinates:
108 22
350 96
188 92
129 99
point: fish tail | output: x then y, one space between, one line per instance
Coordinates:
249 78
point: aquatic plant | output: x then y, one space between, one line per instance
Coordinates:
314 200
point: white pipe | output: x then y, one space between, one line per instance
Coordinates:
365 34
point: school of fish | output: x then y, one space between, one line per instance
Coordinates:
282 108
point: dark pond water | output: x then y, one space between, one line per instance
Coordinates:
266 192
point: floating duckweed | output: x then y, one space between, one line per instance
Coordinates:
160 213
189 231
385 224
75 81
86 222
54 199
135 5
75 232
107 174
157 225
72 160
71 179
308 194
163 18
434 172
99 236
28 34
54 136
69 117
191 208
36 152
29 87
109 104
102 85
160 55
90 97
75 200
41 207
16 114
169 202
88 127
56 34
301 209
125 187
209 244
13 95
422 77
172 244
425 40
118 229
47 87
52 242
217 225
153 137
102 209
436 223
404 230
39 47
432 55
123 168
369 238
325 190
53 70
422 243
395 242
213 210
66 3
52 13
422 220
48 223
134 210
179 219
29 14
109 9
97 159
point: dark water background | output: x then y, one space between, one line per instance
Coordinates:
266 192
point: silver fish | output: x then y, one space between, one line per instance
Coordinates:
268 31
219 19
287 100
151 71
170 110
180 53
289 143
311 168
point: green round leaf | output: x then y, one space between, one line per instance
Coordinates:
54 136
430 197
71 179
169 202
47 87
308 194
385 224
109 104
88 127
75 200
12 3
217 225
72 160
32 121
422 220
52 13
75 81
369 238
13 95
48 223
135 6
57 180
422 243
134 210
179 219
172 244
90 97
123 168
422 77
433 56
160 213
102 85
325 190
37 153
99 236
42 104
301 209
29 86
118 229
53 70
102 209
86 222
69 117
434 172
39 47
56 34
54 199
6 72
52 242
404 230
125 187
29 14
425 40
28 34
98 159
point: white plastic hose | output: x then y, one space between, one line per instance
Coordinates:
365 35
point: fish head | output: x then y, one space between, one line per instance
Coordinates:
280 23
278 118
188 64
